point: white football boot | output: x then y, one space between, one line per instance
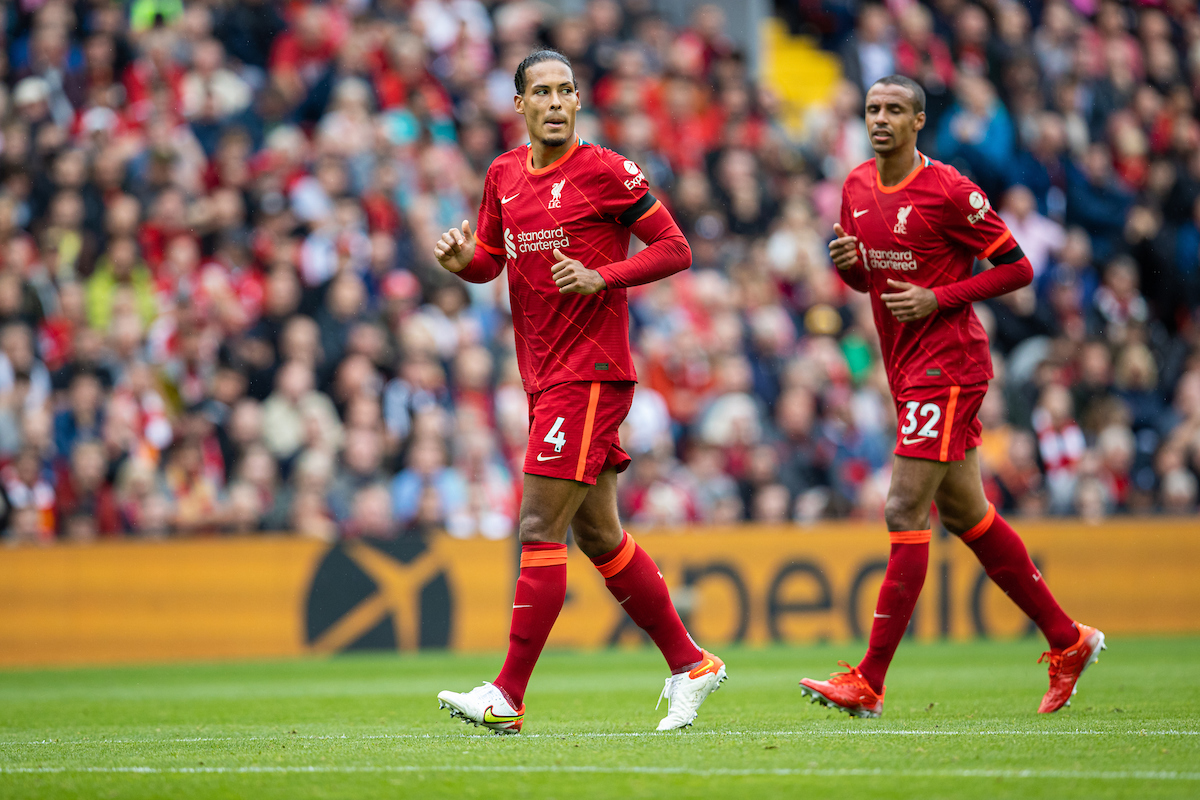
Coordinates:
686 691
485 705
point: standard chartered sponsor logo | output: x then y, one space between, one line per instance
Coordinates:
543 240
902 260
510 248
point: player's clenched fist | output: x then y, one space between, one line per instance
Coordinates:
911 303
572 276
844 249
456 248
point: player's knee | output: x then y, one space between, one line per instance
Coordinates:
959 515
596 537
953 521
961 520
902 514
584 530
534 527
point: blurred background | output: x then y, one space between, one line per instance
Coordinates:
219 311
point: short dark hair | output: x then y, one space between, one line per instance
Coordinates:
908 83
537 57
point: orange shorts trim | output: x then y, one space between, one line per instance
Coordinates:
588 422
980 527
622 559
544 558
911 537
951 405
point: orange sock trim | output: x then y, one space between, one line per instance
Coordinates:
911 537
544 558
621 560
981 527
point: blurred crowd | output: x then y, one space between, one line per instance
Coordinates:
220 313
1079 119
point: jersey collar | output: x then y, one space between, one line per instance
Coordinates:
558 162
921 164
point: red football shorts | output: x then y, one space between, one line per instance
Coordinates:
940 423
573 430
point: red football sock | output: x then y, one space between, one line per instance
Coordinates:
1006 561
541 589
634 579
898 595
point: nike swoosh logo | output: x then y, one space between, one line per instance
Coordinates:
704 668
489 716
547 458
523 606
504 200
882 616
917 440
858 214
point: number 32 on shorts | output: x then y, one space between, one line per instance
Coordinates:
930 415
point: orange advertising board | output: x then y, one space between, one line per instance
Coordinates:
760 585
283 596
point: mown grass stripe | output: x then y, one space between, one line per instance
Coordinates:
601 735
629 770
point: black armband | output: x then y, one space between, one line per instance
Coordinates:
635 211
1010 256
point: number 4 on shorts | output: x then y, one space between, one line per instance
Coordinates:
555 436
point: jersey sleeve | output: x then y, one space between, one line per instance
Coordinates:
619 189
667 251
847 219
969 220
489 230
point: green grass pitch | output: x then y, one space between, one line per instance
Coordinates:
959 721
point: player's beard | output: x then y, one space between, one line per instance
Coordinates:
552 140
557 140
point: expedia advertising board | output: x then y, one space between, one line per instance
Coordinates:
279 596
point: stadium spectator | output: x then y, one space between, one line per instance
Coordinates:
428 491
360 469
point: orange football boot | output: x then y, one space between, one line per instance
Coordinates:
845 691
1068 664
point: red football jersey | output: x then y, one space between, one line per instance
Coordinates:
581 204
927 230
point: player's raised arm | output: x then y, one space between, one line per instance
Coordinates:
457 253
667 250
572 277
1010 271
909 302
969 219
456 248
844 252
